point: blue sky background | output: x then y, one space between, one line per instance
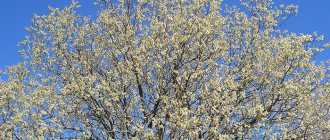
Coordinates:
15 15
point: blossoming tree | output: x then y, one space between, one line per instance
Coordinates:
172 69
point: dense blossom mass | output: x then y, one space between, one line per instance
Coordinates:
167 69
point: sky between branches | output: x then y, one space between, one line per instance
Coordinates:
15 15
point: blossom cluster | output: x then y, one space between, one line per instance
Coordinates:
170 69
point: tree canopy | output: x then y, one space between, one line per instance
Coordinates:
171 69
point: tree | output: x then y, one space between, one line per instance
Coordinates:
167 70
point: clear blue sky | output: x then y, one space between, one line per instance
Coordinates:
314 15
